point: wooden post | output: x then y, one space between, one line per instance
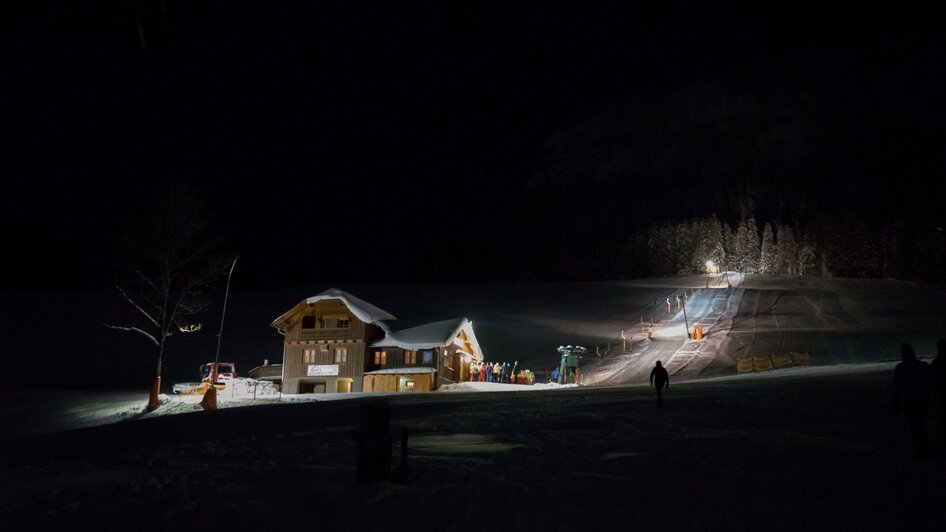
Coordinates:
403 454
209 402
374 442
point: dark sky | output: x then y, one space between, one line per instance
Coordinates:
453 142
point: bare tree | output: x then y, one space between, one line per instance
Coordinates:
173 262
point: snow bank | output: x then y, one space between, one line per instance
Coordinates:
499 387
775 450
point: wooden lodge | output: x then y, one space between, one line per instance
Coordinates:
336 343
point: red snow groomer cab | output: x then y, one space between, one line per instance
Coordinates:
226 372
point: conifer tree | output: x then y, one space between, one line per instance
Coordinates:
768 255
806 262
748 246
729 243
787 250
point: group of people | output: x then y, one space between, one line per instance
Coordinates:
494 372
913 383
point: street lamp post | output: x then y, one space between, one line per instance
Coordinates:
226 294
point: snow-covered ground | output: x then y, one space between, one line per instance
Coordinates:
33 413
806 447
837 320
802 449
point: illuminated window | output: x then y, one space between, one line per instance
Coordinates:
308 356
323 323
410 357
341 355
342 323
380 358
323 348
308 322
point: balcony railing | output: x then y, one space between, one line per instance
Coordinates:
326 334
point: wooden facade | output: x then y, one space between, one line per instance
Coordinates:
398 382
329 347
324 348
396 357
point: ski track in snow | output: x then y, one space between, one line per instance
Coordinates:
807 447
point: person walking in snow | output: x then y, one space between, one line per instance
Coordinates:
938 368
660 378
912 389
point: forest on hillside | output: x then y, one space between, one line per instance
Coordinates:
832 249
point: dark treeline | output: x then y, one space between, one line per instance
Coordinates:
848 248
827 161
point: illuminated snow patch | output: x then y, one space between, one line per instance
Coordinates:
614 456
458 444
673 331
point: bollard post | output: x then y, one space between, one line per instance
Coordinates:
403 454
209 402
154 392
374 442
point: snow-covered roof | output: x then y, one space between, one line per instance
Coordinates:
401 371
430 335
362 310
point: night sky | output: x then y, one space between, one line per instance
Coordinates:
455 142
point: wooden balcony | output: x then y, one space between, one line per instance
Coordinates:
356 331
327 334
346 333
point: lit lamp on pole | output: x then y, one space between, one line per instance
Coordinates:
711 268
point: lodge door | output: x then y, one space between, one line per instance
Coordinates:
311 387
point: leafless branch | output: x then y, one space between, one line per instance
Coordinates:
134 329
132 301
145 279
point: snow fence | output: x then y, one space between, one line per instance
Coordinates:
770 362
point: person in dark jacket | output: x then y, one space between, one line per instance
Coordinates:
938 368
661 379
912 390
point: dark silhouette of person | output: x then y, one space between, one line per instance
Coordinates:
938 368
912 388
660 377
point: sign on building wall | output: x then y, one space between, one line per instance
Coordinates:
318 370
